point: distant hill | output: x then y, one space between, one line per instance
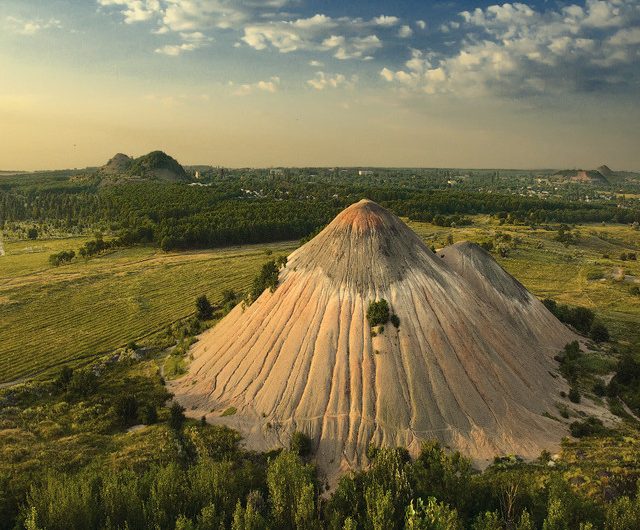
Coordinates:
605 171
156 165
594 176
118 165
603 175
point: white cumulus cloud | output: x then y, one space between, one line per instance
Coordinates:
322 81
515 50
271 86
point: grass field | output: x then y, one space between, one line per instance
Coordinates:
50 315
71 313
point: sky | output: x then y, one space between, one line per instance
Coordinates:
404 83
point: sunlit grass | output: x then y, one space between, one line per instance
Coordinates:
51 315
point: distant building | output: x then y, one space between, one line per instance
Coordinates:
365 172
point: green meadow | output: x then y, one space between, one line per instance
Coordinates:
72 313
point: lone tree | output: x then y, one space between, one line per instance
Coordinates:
126 408
176 416
599 332
378 313
204 309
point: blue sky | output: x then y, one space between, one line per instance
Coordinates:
482 83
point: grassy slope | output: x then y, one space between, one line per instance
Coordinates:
52 315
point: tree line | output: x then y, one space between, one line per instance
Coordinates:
252 210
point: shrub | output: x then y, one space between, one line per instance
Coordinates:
599 388
176 416
64 377
231 411
149 414
589 427
378 313
267 279
599 332
569 365
204 309
574 395
395 320
83 383
32 233
487 245
595 274
229 300
300 444
635 290
61 257
126 409
581 318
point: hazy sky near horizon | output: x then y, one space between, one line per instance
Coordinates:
321 82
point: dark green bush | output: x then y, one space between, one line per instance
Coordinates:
378 313
83 383
176 416
599 332
126 409
149 414
589 427
267 279
300 444
204 309
574 395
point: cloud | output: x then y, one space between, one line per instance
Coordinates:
421 24
30 27
386 21
262 24
192 41
134 10
322 81
515 50
346 38
405 32
270 86
353 48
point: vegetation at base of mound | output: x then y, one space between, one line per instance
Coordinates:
67 461
580 318
267 279
625 384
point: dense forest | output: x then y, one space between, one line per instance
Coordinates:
246 206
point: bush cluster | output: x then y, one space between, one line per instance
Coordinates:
580 318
